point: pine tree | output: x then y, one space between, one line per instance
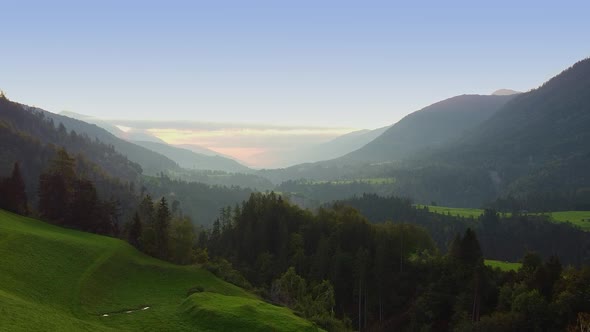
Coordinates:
13 195
135 231
162 229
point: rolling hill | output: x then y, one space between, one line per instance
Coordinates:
105 284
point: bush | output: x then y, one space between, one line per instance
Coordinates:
224 270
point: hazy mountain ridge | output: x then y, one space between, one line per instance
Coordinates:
192 160
429 128
334 148
151 162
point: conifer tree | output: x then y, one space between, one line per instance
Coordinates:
162 229
135 231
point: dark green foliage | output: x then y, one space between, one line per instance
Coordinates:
201 202
519 232
13 196
135 231
162 229
268 236
72 201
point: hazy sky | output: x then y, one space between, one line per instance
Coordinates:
345 64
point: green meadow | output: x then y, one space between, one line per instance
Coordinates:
504 266
461 212
55 279
578 218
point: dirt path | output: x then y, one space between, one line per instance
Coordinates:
124 311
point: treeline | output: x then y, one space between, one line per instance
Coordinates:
161 231
271 241
69 199
341 271
328 191
503 236
25 130
199 201
13 196
545 201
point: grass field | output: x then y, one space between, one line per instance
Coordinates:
461 212
54 279
504 266
374 181
578 218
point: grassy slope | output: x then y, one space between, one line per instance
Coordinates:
64 280
461 212
504 266
578 218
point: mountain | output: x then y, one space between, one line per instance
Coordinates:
536 149
505 92
57 279
332 149
130 134
192 160
150 161
542 130
32 140
201 150
430 127
427 129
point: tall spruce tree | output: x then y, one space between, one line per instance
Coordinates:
135 231
162 229
12 192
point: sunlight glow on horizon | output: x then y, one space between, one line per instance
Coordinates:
252 146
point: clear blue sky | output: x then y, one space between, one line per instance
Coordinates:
354 64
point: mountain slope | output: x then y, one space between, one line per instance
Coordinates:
545 130
130 135
192 160
32 139
105 284
536 147
334 148
150 161
430 127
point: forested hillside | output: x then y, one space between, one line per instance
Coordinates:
429 128
390 276
150 161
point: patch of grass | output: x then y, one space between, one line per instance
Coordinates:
55 279
375 181
578 218
461 212
504 266
216 312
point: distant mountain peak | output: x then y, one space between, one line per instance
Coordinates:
505 92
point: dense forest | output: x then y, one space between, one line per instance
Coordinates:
518 231
391 276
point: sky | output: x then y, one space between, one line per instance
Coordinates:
328 67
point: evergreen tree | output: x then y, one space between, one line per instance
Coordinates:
135 231
53 197
82 212
162 229
12 192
